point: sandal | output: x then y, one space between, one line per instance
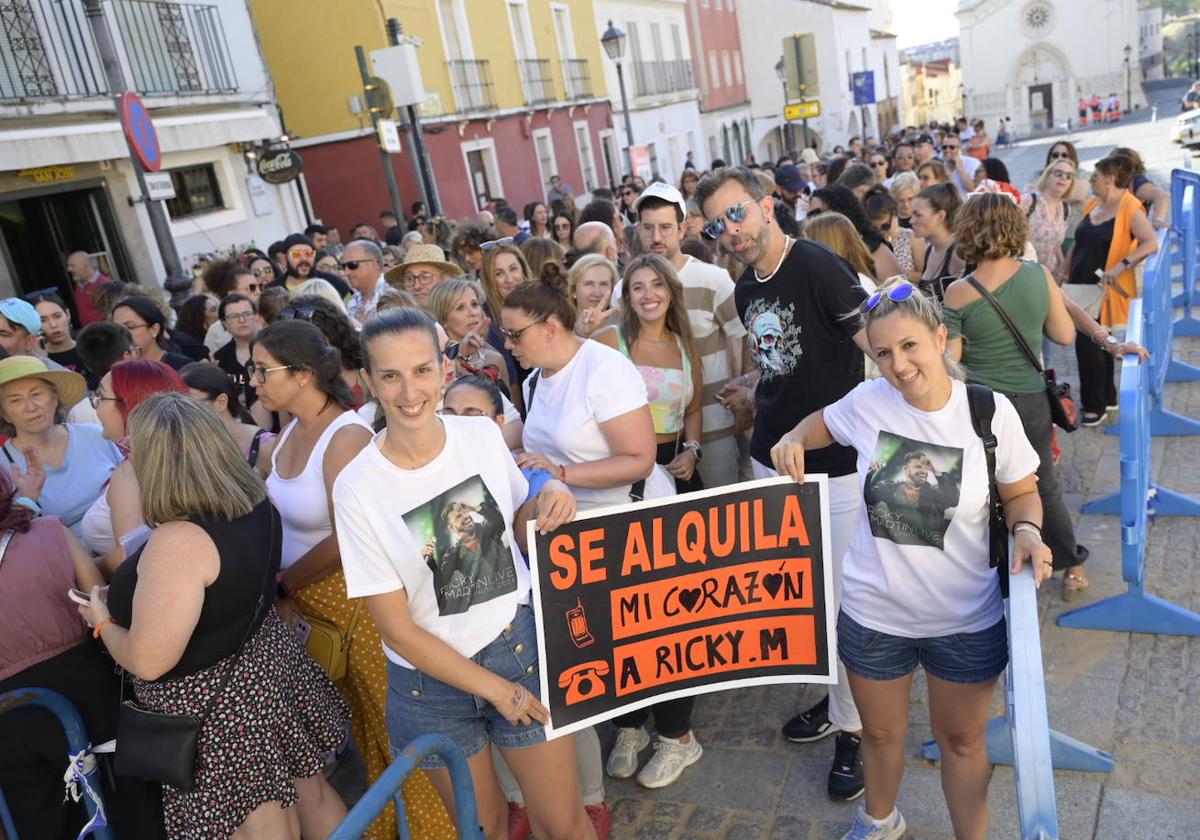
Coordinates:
1073 586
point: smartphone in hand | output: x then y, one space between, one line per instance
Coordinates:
79 597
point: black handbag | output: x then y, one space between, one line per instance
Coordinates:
161 747
1062 405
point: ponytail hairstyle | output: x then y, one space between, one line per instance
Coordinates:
301 346
480 383
334 324
943 198
202 376
545 298
397 321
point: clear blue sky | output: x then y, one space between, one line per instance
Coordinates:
921 21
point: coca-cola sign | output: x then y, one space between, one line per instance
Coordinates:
278 166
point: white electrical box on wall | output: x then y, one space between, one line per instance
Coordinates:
399 68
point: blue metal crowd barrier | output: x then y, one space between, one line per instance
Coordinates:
1136 611
387 787
80 757
1022 737
1185 191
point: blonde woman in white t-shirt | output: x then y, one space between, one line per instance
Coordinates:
426 520
917 586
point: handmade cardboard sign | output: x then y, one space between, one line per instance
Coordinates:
689 594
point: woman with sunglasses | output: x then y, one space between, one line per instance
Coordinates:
932 172
879 166
1047 211
933 221
563 225
457 304
917 587
295 370
882 211
1065 150
904 159
629 194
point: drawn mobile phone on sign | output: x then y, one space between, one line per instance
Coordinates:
577 622
583 682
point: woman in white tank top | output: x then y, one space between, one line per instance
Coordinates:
292 369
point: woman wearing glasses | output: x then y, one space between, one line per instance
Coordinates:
148 326
882 211
293 369
879 166
210 385
563 225
1065 150
59 468
1047 211
904 159
917 588
240 317
904 187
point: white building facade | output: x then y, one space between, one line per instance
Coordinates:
1033 59
66 180
660 83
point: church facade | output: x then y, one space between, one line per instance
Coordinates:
1032 60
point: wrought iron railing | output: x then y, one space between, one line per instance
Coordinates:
652 77
47 50
472 83
536 82
577 78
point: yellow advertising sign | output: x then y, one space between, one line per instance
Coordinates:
49 174
802 110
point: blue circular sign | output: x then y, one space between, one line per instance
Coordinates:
139 131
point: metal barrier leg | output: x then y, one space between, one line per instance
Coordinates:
1165 423
387 788
1066 753
1134 611
1162 502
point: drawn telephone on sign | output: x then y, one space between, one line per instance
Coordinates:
583 682
577 621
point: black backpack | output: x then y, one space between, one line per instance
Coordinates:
982 403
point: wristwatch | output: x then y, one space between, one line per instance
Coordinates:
1029 528
1125 262
694 447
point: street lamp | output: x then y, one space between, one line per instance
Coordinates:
1128 80
785 130
613 41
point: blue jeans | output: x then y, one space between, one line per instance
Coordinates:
959 657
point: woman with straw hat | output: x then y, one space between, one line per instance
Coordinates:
59 468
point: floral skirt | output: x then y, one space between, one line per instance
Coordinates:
276 719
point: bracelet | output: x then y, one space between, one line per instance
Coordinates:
562 473
1101 331
96 630
29 503
1020 522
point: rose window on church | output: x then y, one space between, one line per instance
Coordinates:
1037 19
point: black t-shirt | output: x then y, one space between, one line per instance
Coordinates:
226 358
803 346
71 360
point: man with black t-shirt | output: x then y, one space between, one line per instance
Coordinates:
792 299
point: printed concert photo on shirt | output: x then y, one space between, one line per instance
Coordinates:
912 489
465 544
773 337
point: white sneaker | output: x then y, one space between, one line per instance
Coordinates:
671 757
623 760
866 827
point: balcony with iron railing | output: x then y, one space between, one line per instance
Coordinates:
472 85
577 78
48 51
659 77
537 84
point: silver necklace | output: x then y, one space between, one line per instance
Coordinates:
787 246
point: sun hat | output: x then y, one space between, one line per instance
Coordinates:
809 156
22 313
70 385
422 254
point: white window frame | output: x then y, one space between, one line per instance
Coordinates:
461 27
567 50
539 133
587 156
490 162
726 65
608 140
714 69
737 67
526 25
233 193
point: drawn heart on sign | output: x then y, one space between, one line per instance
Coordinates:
772 583
689 598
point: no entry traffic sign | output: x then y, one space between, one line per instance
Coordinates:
139 131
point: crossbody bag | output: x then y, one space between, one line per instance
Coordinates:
1062 405
982 402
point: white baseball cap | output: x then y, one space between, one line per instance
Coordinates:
663 192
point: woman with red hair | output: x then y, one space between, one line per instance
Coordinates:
113 526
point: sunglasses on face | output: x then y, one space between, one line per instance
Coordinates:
513 336
948 148
736 214
263 272
879 163
297 313
493 244
302 253
1059 173
1059 156
895 294
354 264
255 288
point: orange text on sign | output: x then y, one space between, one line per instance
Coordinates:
716 593
774 641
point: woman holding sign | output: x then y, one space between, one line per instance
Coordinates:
426 516
917 587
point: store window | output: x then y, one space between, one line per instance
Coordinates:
197 190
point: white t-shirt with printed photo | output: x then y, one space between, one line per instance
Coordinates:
917 565
442 533
563 419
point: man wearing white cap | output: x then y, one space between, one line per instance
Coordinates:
716 327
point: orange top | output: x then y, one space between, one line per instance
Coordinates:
1114 309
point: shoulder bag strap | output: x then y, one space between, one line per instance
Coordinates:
7 454
982 403
1032 204
225 677
533 381
1012 328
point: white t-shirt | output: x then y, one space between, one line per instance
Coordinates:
917 565
563 419
971 165
459 510
713 315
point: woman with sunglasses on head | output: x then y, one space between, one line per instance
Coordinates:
1113 236
435 561
294 369
148 326
226 277
1047 211
339 332
211 385
917 587
933 221
457 304
563 225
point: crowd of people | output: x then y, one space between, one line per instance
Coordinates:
294 504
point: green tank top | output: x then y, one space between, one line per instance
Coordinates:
990 353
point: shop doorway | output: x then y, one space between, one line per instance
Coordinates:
40 230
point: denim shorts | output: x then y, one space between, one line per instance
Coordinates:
959 657
418 704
